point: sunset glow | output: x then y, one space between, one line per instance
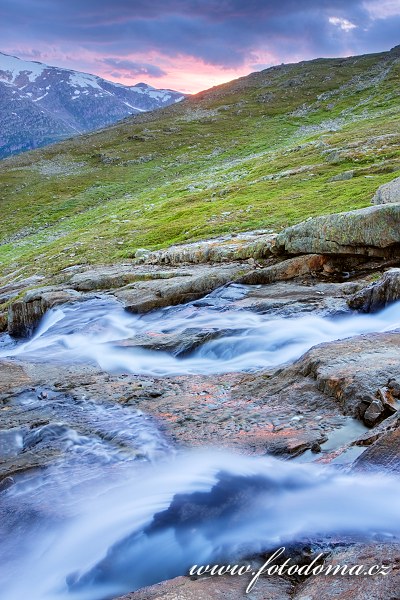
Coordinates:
190 46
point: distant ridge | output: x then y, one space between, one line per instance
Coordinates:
40 104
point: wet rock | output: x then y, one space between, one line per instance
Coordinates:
25 314
13 377
28 460
372 231
369 437
3 321
212 588
149 295
394 387
388 192
388 399
6 483
346 587
382 455
379 294
178 344
294 298
374 413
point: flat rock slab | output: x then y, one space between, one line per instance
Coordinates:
248 245
144 296
318 587
138 289
341 587
294 298
214 588
13 377
282 412
382 455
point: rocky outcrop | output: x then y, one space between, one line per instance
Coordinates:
379 294
388 193
357 374
250 245
25 314
13 289
210 588
287 269
351 587
118 276
382 455
144 296
372 231
144 288
320 586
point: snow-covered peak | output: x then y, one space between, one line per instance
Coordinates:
11 67
45 104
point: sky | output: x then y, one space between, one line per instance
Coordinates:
192 45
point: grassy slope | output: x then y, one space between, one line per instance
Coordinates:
200 168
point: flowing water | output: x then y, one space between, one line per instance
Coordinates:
148 523
121 508
245 340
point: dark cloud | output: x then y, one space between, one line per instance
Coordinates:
219 32
132 68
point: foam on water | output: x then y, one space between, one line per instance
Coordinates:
98 523
245 340
154 522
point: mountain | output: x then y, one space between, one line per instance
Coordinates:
41 104
265 151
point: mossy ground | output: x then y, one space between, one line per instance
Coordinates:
202 168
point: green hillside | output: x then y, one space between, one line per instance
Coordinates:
259 152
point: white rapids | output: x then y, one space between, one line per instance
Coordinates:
98 522
244 340
138 529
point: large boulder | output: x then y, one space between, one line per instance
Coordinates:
388 193
372 231
378 294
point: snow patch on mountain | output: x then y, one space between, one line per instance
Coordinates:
11 67
40 104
